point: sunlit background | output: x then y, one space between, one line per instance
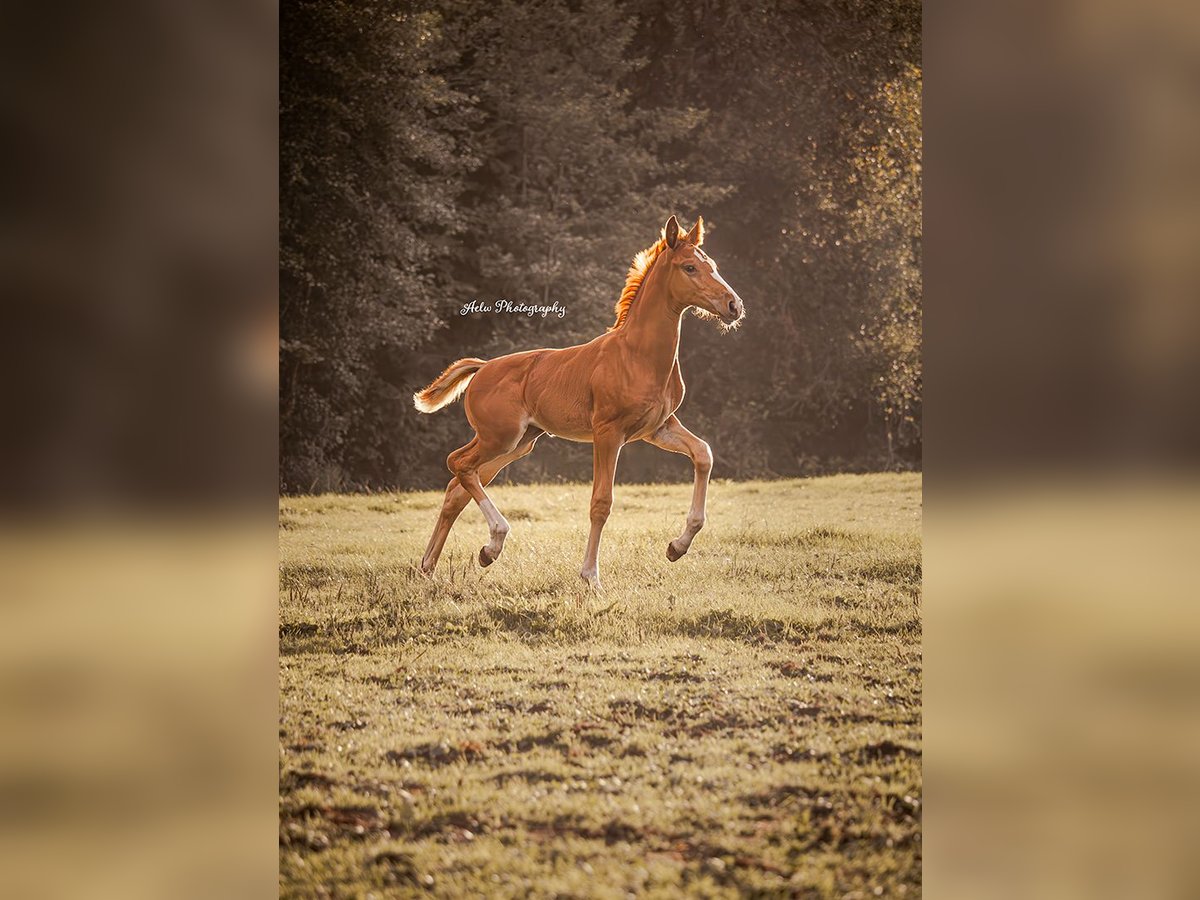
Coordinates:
480 150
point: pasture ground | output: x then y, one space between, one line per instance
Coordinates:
746 721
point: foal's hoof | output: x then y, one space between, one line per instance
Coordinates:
485 558
672 553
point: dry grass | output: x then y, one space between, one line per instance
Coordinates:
743 721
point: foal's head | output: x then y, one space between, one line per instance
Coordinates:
693 280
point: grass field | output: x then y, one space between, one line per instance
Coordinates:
746 721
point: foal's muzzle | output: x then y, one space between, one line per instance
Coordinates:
733 311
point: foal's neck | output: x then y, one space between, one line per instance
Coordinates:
652 328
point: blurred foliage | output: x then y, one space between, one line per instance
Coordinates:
434 154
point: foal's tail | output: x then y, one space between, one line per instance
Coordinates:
448 386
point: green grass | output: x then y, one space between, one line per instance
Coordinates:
745 721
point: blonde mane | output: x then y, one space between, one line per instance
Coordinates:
637 274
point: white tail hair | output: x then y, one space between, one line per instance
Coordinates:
448 386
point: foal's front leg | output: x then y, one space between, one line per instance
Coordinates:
606 447
674 437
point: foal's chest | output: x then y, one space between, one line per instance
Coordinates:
653 408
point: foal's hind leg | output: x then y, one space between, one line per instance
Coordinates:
457 497
674 437
453 504
467 464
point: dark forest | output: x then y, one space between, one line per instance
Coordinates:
443 153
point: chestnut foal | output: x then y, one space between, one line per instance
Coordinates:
622 386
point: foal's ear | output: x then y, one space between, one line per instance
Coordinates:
671 232
696 235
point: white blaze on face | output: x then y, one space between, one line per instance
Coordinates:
712 267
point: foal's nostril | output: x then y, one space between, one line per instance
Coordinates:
733 308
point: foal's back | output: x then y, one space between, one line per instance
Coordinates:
549 388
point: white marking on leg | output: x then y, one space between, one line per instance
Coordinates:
590 571
498 527
702 459
695 521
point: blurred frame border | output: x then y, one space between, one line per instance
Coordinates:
1063 504
138 699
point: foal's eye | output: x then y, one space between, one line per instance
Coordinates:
690 269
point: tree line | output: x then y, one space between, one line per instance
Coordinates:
433 154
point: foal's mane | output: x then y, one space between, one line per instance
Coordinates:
637 274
